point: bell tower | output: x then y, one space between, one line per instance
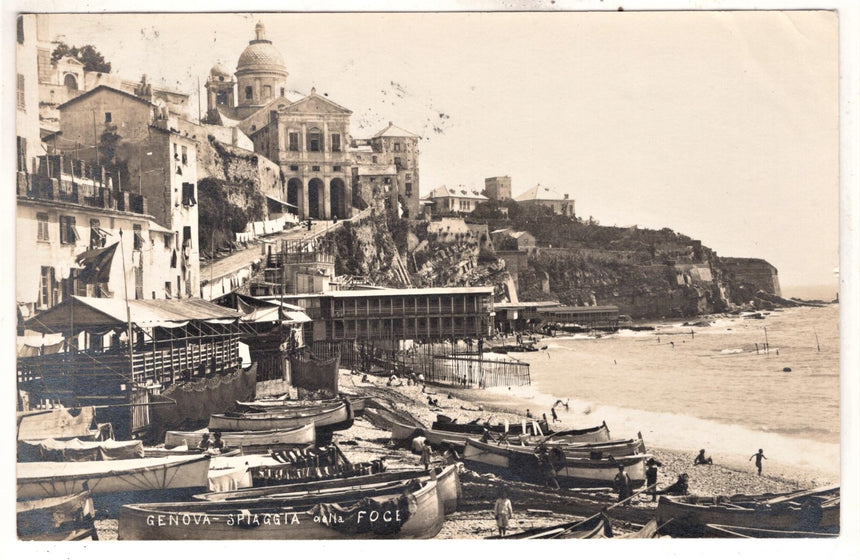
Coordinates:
220 87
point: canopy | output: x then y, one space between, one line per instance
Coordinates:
261 311
281 202
89 313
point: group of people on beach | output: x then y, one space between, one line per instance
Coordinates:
701 459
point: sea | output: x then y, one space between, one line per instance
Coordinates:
728 384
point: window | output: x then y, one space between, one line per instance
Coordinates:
167 240
42 232
315 168
138 282
374 159
335 142
21 29
267 92
294 141
97 235
397 146
294 168
22 153
314 141
221 97
68 232
108 117
186 237
21 99
283 92
397 163
138 237
408 189
249 92
168 291
184 155
188 198
335 168
47 287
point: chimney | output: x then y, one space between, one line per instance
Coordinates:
566 196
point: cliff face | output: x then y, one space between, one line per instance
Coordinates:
365 249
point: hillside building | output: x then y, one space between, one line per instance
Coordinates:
453 200
158 164
498 188
544 196
309 138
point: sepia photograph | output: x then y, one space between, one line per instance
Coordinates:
546 270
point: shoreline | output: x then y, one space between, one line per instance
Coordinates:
734 472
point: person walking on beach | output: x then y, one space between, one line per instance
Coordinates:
651 476
426 453
545 461
503 511
529 413
554 415
622 484
758 457
701 459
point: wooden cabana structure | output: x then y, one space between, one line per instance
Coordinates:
117 353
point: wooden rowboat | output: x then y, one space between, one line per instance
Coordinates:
729 532
521 463
596 527
413 511
811 510
43 480
63 518
262 438
330 418
447 478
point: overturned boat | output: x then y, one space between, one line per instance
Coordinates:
298 435
49 479
61 518
324 417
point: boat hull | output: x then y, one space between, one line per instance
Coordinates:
328 419
447 481
281 519
298 435
43 480
521 463
687 516
56 519
728 532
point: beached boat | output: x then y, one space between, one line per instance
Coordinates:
730 532
447 478
528 427
44 479
605 449
330 418
262 438
522 463
278 404
78 450
62 518
595 527
595 434
407 510
814 510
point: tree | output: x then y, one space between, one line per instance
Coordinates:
88 55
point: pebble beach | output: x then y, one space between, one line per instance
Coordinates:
474 520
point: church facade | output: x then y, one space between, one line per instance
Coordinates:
309 138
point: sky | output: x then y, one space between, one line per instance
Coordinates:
723 126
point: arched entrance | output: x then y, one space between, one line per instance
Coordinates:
294 191
70 81
316 199
339 203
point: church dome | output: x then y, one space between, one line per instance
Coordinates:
260 54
